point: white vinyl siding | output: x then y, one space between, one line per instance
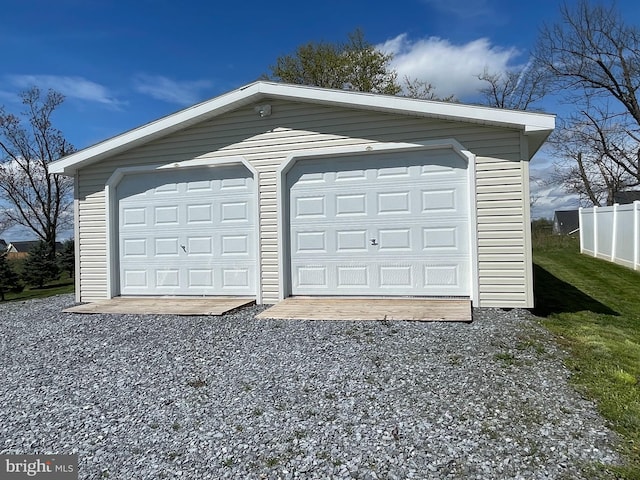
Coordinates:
502 253
267 142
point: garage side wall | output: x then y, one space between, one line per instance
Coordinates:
504 250
267 142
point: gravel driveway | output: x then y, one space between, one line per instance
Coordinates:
152 397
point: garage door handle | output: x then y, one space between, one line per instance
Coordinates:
374 242
184 248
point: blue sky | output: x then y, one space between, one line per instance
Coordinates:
124 63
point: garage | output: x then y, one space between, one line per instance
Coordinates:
275 190
188 231
380 224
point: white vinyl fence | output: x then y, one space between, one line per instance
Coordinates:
612 233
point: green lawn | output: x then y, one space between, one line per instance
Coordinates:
57 287
593 307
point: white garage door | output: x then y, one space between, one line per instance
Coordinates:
383 224
187 232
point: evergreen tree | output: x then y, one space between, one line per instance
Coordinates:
9 279
67 258
40 266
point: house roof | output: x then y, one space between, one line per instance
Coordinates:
626 197
566 221
535 126
27 245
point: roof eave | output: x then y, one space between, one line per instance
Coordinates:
535 125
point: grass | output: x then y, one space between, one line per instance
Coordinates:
64 285
593 308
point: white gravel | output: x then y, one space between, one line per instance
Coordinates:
153 397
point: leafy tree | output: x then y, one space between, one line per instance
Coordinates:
593 57
40 266
35 198
67 257
9 279
356 64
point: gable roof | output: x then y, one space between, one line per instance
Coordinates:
27 246
535 126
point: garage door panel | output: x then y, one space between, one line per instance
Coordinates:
199 213
310 207
353 277
393 203
312 276
310 242
166 247
441 275
349 240
235 245
134 247
133 217
393 224
392 172
135 277
165 215
394 276
440 200
235 278
188 232
397 239
198 277
167 278
350 204
441 238
200 245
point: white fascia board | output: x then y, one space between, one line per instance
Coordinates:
529 121
156 129
536 124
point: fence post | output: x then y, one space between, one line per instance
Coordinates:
614 234
580 229
595 231
636 235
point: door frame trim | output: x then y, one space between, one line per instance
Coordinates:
111 208
282 198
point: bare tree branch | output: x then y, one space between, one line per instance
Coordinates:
517 89
35 198
593 58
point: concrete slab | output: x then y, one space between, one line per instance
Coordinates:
164 305
341 308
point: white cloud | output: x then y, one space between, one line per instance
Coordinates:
451 69
71 87
548 195
162 88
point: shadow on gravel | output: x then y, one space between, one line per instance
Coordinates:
553 295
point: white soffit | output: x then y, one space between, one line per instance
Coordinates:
537 126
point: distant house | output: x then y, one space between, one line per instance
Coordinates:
626 197
22 249
565 222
